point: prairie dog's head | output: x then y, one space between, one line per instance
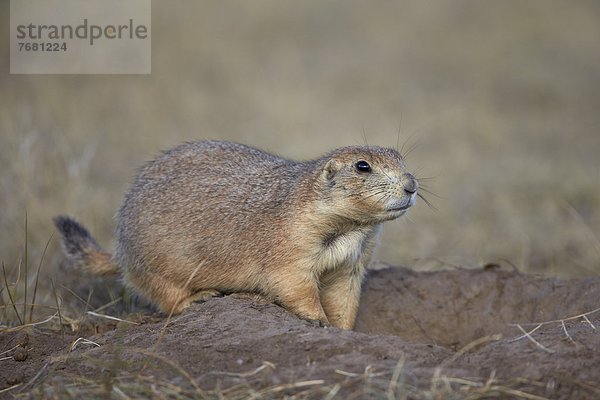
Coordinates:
367 184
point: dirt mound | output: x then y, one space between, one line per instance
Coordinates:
452 308
418 335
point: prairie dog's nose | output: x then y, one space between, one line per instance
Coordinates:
409 183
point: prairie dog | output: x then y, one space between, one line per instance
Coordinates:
224 217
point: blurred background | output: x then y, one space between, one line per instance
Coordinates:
501 99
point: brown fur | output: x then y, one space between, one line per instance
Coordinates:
220 216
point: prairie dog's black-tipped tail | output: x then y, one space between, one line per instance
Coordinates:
81 248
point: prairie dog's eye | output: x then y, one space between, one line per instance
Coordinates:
363 166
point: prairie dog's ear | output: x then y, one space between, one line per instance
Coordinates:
331 168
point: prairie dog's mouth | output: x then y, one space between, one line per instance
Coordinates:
402 207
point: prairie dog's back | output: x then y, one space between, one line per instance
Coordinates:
227 173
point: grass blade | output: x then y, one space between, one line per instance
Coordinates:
62 328
26 278
37 277
12 301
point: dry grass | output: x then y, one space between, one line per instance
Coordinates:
388 385
528 334
500 97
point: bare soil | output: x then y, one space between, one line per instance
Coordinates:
442 334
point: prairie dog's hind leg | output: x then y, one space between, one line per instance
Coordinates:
197 297
168 296
205 294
